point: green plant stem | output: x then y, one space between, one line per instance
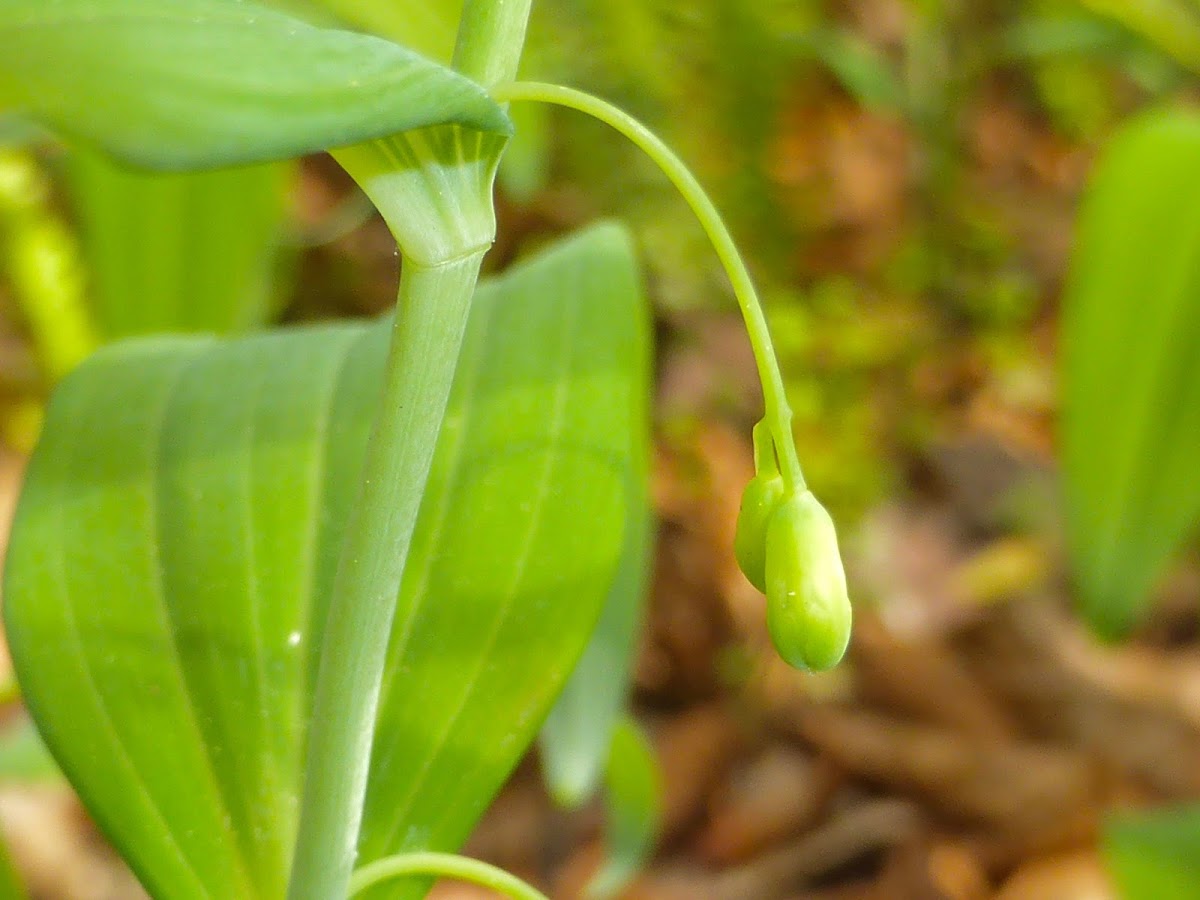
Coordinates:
430 320
491 35
778 414
443 865
434 303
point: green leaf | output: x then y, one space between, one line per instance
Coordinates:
576 738
1155 854
862 70
176 540
634 807
520 592
1131 368
183 84
190 252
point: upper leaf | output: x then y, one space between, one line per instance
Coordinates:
1131 357
183 84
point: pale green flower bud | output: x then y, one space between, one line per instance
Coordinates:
808 606
761 497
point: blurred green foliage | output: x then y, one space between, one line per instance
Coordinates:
1156 854
1131 369
849 146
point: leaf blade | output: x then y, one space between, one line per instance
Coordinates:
185 84
180 252
204 486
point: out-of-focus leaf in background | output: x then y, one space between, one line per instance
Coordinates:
525 537
10 884
24 758
1131 368
39 261
1173 25
175 543
1155 854
633 801
194 252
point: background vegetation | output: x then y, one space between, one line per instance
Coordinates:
907 180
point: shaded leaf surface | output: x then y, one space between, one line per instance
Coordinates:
177 537
184 252
576 738
1131 342
178 84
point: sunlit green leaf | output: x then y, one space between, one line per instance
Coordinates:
176 539
179 252
178 84
1155 854
576 739
1131 368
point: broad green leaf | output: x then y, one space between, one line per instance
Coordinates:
177 535
558 433
633 802
1131 368
187 252
181 84
577 736
1156 854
